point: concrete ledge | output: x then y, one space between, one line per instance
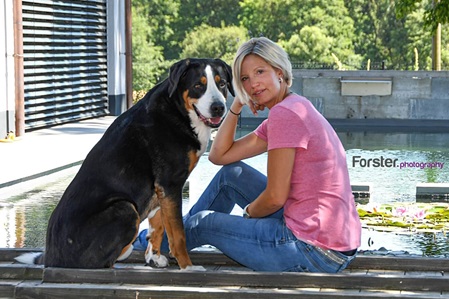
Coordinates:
361 187
361 192
432 192
378 125
391 125
432 188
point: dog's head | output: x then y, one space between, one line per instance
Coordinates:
203 85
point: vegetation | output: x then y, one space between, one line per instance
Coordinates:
436 11
345 34
411 217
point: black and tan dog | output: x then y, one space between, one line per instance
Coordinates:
138 168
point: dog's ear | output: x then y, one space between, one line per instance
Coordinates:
228 71
177 71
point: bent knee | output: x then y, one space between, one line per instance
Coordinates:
195 220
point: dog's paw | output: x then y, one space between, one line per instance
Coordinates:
28 258
125 254
194 268
159 261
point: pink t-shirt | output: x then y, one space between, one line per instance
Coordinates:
320 209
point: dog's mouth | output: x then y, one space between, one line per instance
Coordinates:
213 122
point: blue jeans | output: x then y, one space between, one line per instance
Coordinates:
262 244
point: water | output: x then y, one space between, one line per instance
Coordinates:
23 217
393 184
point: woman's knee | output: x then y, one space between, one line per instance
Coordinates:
233 170
195 220
239 171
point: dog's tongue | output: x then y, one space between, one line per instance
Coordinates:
215 120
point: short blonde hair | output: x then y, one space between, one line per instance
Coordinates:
268 50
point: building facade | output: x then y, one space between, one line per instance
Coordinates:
63 61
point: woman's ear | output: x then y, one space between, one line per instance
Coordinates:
280 74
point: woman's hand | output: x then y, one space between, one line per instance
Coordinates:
237 105
225 149
254 106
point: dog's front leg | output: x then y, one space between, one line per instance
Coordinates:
155 235
176 235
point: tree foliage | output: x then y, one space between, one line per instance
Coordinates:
436 12
310 44
151 30
194 13
352 32
213 42
147 56
267 17
287 20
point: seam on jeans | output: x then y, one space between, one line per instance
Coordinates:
236 190
331 255
222 189
287 236
311 260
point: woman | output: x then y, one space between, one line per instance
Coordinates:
302 215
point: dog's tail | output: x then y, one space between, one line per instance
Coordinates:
36 258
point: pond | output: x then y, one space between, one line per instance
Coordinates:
23 217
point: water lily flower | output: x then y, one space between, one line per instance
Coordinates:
420 214
400 211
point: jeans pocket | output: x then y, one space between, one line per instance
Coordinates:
333 260
325 261
299 268
285 234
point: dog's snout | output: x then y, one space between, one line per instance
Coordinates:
217 109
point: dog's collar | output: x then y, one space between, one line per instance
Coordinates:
213 122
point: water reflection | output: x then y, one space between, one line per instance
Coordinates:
24 217
433 142
432 244
410 150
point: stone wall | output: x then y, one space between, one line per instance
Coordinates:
414 95
374 95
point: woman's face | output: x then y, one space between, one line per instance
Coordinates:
260 80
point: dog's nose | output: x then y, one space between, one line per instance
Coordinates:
217 109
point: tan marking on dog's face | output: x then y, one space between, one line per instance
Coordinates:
203 80
193 158
217 78
188 102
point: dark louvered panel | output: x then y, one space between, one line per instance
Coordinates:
65 58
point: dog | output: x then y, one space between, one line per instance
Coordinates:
137 170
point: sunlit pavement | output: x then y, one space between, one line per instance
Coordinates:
46 151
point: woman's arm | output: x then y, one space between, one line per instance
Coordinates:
225 149
273 198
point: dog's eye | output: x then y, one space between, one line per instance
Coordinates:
222 84
198 86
